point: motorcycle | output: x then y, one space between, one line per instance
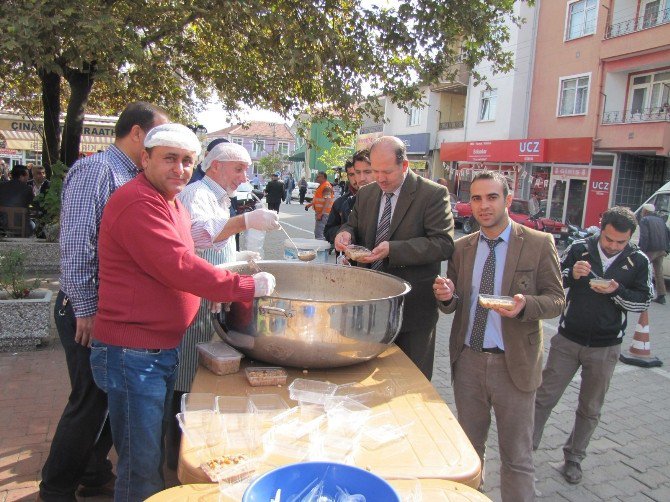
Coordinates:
576 233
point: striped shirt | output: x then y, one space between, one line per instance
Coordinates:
209 206
88 185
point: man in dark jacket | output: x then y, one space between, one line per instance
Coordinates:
655 242
17 193
274 191
608 277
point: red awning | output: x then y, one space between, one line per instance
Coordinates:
568 150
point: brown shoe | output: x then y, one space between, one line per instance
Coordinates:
572 472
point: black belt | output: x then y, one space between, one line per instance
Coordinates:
493 350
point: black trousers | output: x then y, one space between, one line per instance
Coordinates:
419 345
83 437
302 195
274 205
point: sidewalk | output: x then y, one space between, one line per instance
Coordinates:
628 459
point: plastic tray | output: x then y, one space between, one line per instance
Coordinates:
491 301
232 404
355 253
219 358
348 417
265 375
195 401
201 427
600 283
311 391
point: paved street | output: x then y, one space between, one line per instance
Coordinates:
628 459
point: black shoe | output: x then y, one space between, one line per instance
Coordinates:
106 490
660 299
572 472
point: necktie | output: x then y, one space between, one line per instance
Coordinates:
383 228
485 288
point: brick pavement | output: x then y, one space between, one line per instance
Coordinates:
628 459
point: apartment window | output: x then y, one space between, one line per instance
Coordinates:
582 17
574 96
238 141
650 93
258 147
487 105
282 147
414 116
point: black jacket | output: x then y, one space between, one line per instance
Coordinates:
274 191
596 320
339 214
654 234
15 193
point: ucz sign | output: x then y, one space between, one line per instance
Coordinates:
527 147
600 186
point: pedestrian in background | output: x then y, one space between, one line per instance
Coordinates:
274 192
655 243
592 327
407 223
496 352
302 189
319 203
289 185
83 438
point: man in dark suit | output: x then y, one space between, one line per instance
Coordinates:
406 221
16 192
274 192
496 353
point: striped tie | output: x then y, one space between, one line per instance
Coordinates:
383 228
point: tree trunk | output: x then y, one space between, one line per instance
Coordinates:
81 83
51 104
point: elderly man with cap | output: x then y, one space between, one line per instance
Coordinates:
655 243
213 231
274 192
151 282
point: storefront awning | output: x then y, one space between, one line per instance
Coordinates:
29 140
298 155
568 150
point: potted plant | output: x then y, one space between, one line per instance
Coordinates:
24 309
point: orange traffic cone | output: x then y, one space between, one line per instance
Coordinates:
639 353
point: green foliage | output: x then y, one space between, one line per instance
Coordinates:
13 275
337 154
271 163
50 203
327 58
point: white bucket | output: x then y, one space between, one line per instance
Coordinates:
321 248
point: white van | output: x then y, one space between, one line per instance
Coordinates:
661 201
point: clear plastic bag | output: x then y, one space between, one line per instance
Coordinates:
255 239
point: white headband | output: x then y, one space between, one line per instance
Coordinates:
174 135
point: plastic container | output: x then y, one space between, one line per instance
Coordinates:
355 253
347 417
311 391
219 357
280 449
265 375
333 447
382 429
492 301
201 427
195 401
600 283
321 248
297 480
298 422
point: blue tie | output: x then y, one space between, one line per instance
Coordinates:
383 228
485 288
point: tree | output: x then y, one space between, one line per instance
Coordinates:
337 154
330 57
271 163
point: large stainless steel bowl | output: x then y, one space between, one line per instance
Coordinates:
320 316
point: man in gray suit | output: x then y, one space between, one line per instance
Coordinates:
406 221
496 354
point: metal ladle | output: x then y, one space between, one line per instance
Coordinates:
302 255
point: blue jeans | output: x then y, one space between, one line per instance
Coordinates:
139 385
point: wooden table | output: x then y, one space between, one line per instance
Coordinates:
432 490
435 446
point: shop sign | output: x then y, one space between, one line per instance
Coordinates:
37 127
8 152
513 150
571 172
416 143
600 187
365 140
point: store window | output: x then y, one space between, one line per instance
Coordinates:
487 105
574 94
282 147
414 116
582 17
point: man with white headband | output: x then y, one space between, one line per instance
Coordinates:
213 231
151 282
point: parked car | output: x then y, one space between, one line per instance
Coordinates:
245 200
518 212
311 187
661 201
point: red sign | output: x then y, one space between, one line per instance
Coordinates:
8 151
513 150
571 172
597 202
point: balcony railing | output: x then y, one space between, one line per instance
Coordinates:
371 129
458 124
656 114
648 20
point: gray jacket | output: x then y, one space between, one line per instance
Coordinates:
654 234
